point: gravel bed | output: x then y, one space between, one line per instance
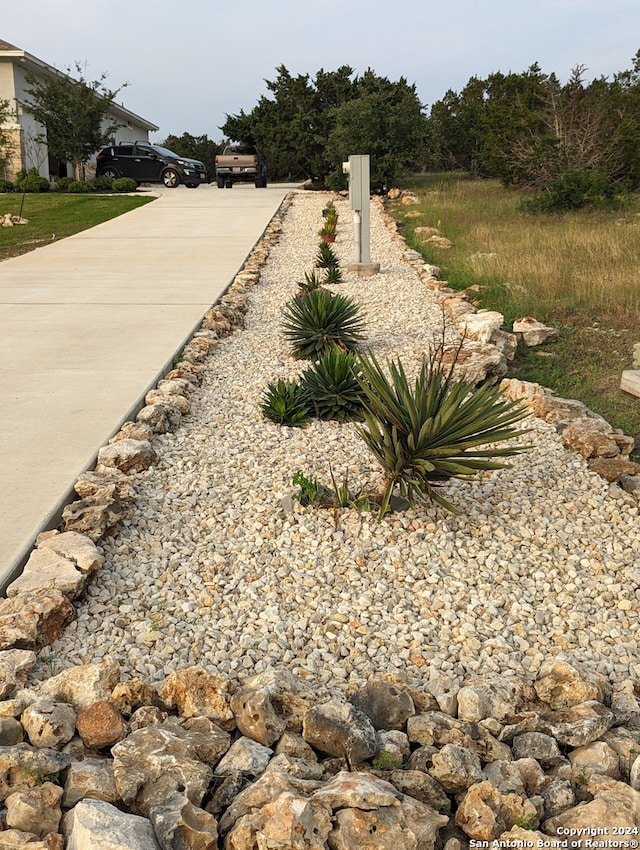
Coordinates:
212 569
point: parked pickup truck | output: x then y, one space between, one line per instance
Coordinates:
240 162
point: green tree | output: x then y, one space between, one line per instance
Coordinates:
383 119
195 147
307 126
74 114
6 144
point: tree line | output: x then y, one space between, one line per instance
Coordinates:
572 143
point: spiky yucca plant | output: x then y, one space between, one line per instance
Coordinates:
284 402
429 434
333 275
319 321
331 387
311 281
326 258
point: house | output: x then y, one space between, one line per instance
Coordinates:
27 152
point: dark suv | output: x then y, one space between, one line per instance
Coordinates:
147 163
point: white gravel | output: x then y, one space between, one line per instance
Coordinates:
212 570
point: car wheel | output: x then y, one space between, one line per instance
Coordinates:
111 173
170 178
220 182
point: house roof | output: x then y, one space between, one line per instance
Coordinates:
35 65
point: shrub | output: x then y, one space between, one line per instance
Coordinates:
429 434
79 187
103 184
284 403
572 190
331 387
62 185
6 185
124 184
31 182
318 322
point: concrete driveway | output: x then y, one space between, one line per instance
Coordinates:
89 324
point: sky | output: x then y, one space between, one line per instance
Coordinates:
187 67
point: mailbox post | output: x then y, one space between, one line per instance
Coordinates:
357 168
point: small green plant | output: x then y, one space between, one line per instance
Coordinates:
311 491
325 257
387 761
6 185
333 275
528 822
318 322
331 387
31 182
79 187
284 402
103 184
425 435
311 281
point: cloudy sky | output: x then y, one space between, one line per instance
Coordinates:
187 65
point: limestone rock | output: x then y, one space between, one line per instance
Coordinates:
456 768
385 705
537 745
339 729
11 731
101 725
29 620
168 396
580 724
421 786
94 823
15 664
531 332
558 796
91 777
133 431
596 757
35 810
491 698
255 715
437 728
593 437
92 481
294 745
82 686
161 417
445 691
395 744
153 763
477 362
485 813
128 455
179 824
23 767
295 823
482 325
133 694
615 468
63 561
96 514
270 703
193 691
562 685
300 768
245 756
49 724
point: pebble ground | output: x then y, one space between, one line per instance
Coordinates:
212 569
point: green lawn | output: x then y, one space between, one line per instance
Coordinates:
54 216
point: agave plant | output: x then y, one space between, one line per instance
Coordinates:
318 322
331 388
429 434
284 402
